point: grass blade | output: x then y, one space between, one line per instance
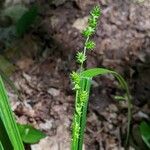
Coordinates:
90 73
7 117
1 146
6 78
5 141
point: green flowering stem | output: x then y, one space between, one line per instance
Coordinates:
79 121
82 82
82 85
76 124
87 85
85 48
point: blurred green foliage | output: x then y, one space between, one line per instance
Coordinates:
29 134
15 21
145 132
26 20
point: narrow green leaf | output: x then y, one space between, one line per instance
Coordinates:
29 134
145 132
1 146
9 82
5 141
8 119
90 73
26 20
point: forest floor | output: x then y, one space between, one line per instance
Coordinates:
46 59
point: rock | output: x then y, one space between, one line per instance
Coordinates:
83 4
24 63
113 108
57 2
141 115
54 92
61 141
113 115
22 120
27 77
54 21
47 125
81 23
131 148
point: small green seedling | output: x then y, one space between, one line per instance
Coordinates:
81 80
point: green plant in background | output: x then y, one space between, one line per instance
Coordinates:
145 132
81 80
26 20
21 17
15 21
13 135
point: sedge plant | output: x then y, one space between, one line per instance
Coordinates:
82 79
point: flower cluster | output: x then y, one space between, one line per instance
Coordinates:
83 97
92 22
76 127
90 45
77 80
87 33
80 57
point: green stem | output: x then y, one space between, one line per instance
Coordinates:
1 146
86 88
125 86
76 118
84 52
80 117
